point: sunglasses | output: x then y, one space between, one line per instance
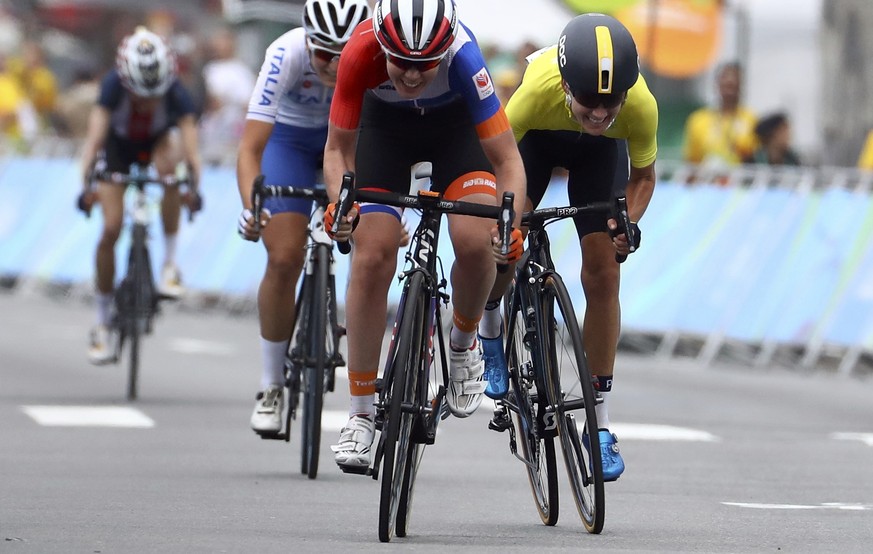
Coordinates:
420 65
595 100
322 53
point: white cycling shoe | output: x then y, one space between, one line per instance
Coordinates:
267 415
466 380
101 348
352 454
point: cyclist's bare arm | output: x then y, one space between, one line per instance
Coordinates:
98 130
339 157
503 154
639 191
640 187
248 164
190 145
254 140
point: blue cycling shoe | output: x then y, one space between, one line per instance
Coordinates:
613 465
496 373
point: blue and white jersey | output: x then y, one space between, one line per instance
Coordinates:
288 90
127 123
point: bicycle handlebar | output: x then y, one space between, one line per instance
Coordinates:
617 209
349 195
118 178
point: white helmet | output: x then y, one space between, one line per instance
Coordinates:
331 22
145 63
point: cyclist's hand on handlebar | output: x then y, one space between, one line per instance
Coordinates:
193 200
619 240
246 226
347 227
516 246
85 201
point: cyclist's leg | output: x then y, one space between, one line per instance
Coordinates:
600 172
463 172
289 158
538 157
111 199
383 130
167 154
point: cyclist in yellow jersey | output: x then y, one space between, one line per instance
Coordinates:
582 105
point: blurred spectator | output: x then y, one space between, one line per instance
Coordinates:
725 135
865 160
18 119
37 80
75 103
229 83
774 137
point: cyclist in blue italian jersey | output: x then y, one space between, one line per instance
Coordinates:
283 139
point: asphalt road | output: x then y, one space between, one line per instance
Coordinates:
722 459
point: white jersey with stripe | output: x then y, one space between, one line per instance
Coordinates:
288 90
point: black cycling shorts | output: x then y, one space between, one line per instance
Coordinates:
599 170
120 152
393 138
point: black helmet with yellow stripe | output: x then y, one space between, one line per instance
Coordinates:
597 55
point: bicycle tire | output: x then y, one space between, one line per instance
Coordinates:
315 318
570 390
538 448
397 426
428 392
137 319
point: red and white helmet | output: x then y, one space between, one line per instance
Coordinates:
415 29
145 63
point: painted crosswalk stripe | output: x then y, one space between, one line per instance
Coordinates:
825 506
866 438
89 416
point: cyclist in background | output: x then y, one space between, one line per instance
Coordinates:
283 139
583 105
143 114
413 86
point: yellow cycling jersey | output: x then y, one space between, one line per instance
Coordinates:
540 104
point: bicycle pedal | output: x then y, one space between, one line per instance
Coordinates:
267 435
355 470
499 423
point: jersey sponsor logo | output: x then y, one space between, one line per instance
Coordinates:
479 182
484 87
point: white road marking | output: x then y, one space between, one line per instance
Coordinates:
866 438
196 346
88 416
824 506
643 431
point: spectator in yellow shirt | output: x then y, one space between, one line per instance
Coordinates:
865 161
17 118
724 135
37 80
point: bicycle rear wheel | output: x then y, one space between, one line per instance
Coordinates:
537 446
571 394
398 450
314 324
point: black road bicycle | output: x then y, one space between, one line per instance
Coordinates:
313 353
136 296
411 391
551 390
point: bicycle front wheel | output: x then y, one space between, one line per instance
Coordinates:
400 457
313 323
537 445
570 391
138 305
